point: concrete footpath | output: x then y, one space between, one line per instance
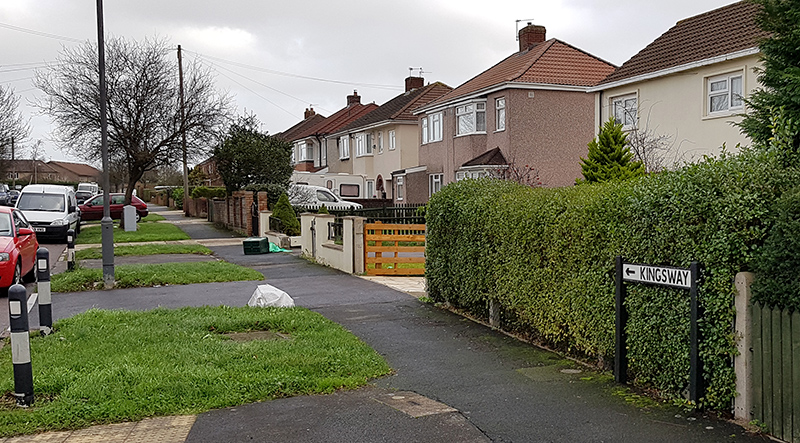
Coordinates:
454 380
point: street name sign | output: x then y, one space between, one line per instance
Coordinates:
657 275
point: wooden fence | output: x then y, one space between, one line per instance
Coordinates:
394 249
776 371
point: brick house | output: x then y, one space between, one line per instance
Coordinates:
535 107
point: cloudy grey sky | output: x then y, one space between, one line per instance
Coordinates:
265 52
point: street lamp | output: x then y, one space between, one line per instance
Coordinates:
106 225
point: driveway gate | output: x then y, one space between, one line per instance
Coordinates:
394 249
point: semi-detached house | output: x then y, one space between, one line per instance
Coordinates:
689 86
533 108
384 140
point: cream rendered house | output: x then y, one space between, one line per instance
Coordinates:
688 85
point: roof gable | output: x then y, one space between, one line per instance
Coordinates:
292 133
338 120
715 33
80 169
552 62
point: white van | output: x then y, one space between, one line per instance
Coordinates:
51 210
313 197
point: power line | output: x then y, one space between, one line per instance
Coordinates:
287 74
40 33
199 57
212 66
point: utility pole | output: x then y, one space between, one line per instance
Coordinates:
183 136
13 166
106 225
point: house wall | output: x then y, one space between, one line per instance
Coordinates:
405 155
334 163
548 130
676 106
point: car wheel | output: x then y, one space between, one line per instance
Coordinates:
138 217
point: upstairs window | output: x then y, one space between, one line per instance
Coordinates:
625 110
471 118
344 147
432 128
392 142
380 142
500 107
363 144
725 93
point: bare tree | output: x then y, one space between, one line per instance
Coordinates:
648 146
36 152
13 128
144 118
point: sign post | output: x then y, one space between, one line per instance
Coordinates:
679 278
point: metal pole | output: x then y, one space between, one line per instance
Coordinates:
20 345
695 363
106 224
45 297
183 135
620 351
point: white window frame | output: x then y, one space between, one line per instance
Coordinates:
399 184
380 142
323 154
733 96
392 141
434 183
471 118
625 110
363 144
370 189
500 114
344 147
424 130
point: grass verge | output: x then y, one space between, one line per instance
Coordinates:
143 275
120 251
147 232
152 217
113 366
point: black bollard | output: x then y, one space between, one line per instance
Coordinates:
70 249
20 345
45 298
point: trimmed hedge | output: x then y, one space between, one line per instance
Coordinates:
547 257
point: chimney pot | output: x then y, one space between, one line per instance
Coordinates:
354 99
414 83
530 36
309 113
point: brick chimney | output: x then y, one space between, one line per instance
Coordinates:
530 36
354 99
309 113
414 83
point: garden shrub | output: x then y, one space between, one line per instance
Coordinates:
207 192
177 196
547 257
323 209
283 211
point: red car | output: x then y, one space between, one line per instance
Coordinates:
18 246
92 209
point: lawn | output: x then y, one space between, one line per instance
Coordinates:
145 275
91 234
121 251
114 366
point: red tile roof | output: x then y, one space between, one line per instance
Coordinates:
719 32
292 133
337 121
400 107
552 62
79 169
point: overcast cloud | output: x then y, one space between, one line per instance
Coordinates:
365 45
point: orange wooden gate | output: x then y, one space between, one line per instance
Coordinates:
384 244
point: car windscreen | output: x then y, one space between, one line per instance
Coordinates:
41 202
6 229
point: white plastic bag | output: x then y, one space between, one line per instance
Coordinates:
267 295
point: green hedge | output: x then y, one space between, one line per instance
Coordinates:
547 256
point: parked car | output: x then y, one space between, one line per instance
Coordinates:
92 209
4 194
86 191
13 195
313 197
52 210
18 246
